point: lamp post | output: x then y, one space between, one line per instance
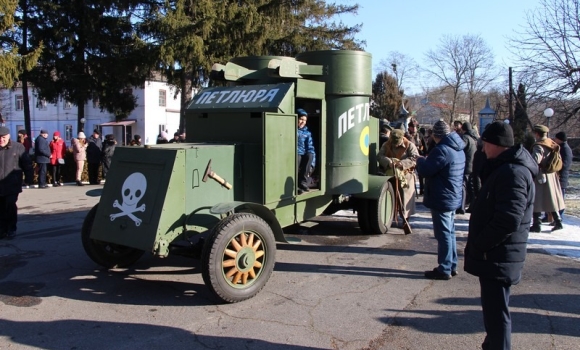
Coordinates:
82 128
548 113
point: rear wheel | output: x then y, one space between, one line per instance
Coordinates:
382 210
106 254
238 257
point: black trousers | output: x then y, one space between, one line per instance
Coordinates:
495 298
55 173
8 213
93 169
304 164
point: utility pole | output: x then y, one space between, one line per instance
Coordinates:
511 94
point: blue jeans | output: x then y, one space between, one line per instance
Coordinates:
444 229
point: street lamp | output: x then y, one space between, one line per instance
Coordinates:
548 113
83 120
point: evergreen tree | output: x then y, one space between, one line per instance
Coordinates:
12 63
387 98
192 36
92 52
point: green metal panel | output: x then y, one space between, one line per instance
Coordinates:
252 177
303 210
255 98
201 195
310 89
134 196
279 157
373 145
225 127
348 89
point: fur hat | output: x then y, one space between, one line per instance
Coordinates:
541 128
499 133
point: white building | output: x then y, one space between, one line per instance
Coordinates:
157 110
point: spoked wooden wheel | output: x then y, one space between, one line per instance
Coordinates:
242 261
238 257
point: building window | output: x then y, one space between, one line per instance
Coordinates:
162 98
68 132
19 102
67 104
41 104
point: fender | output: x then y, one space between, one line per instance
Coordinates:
376 183
255 208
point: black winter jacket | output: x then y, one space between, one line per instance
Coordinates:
94 147
566 153
42 150
13 161
501 217
470 140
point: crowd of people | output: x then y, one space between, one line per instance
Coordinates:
506 188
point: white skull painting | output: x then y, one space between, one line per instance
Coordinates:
132 192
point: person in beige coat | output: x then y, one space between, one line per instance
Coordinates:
549 197
79 146
403 154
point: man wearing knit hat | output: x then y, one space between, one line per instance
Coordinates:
549 197
499 227
42 154
566 153
443 171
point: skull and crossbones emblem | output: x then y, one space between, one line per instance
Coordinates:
133 191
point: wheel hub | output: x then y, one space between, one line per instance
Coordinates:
245 259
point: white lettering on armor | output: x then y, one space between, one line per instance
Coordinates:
237 96
232 96
359 113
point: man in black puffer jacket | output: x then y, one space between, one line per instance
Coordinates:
499 227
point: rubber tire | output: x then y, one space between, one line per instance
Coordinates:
108 255
362 215
212 256
377 208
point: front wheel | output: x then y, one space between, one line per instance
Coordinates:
106 254
238 257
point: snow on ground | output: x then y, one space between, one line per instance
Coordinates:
564 242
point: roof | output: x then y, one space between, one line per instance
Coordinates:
121 123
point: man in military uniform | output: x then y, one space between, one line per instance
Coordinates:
402 154
549 197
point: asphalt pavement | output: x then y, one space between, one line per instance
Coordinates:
336 289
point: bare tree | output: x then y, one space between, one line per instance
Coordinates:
546 49
448 64
402 67
480 71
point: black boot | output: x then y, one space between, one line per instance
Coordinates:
557 224
537 223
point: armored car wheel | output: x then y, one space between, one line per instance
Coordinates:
238 257
108 255
382 210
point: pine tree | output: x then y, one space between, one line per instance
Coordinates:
12 63
92 51
387 98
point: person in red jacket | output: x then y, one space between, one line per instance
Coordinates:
57 150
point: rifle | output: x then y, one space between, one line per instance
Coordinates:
399 204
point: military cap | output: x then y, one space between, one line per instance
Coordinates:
397 135
541 128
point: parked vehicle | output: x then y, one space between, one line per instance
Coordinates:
233 181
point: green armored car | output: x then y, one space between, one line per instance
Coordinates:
233 182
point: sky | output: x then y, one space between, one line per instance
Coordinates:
413 27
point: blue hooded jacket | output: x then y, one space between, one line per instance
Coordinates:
443 172
305 144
